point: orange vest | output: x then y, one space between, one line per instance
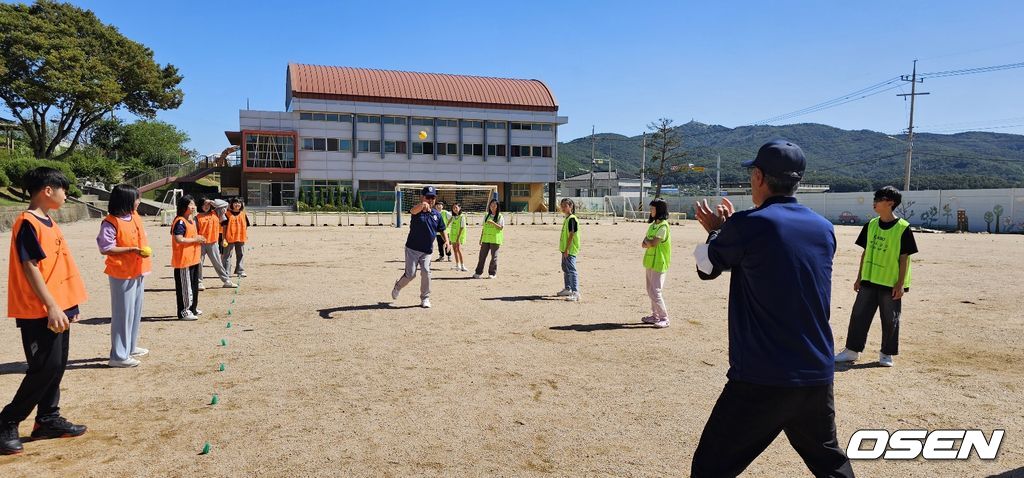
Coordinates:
129 234
208 224
236 231
184 255
58 269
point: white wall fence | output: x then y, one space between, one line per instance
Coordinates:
992 210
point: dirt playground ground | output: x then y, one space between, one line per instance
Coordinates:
324 378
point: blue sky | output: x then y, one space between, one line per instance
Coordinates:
616 65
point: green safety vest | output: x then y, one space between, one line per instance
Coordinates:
882 255
491 234
574 248
445 215
659 257
456 228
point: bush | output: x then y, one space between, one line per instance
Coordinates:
89 163
4 180
17 168
304 207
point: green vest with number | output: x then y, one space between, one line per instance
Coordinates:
490 234
882 255
574 248
659 257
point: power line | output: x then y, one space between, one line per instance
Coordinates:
972 71
853 96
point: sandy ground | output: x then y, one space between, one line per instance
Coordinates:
324 378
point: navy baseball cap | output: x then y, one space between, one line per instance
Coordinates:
429 191
779 158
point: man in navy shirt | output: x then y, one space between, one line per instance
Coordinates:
424 227
780 342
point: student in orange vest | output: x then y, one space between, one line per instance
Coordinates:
208 224
185 248
44 291
123 240
235 234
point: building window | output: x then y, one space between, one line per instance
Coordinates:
495 149
326 191
337 117
472 124
495 125
469 149
368 119
442 148
367 146
423 121
520 190
345 145
537 152
393 120
394 147
448 123
546 151
422 148
269 151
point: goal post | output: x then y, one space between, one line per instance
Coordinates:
473 198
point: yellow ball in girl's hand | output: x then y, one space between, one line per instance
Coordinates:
224 244
423 135
146 251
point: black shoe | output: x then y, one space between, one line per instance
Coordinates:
56 427
10 443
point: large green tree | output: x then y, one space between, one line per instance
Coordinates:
62 70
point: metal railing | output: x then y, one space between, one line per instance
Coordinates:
171 172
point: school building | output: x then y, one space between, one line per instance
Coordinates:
358 130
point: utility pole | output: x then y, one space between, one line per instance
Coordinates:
910 128
643 167
718 175
593 145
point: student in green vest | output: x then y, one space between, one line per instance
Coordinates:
491 237
456 227
657 246
446 217
883 278
569 246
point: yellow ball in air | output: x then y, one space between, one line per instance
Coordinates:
423 135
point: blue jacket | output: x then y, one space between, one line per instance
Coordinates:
780 255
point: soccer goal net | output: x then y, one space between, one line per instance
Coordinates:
472 198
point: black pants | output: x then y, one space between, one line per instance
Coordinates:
486 248
441 251
47 357
748 417
186 289
870 299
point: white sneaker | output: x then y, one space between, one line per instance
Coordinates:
650 319
242 274
573 297
425 304
476 276
661 323
885 360
847 355
188 315
201 286
230 285
463 269
395 291
140 352
491 276
199 312
564 293
127 363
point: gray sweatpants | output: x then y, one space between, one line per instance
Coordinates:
656 282
412 259
238 247
213 252
125 316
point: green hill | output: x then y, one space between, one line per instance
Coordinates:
847 160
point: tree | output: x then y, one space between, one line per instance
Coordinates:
154 143
904 210
988 220
62 70
928 217
998 211
666 146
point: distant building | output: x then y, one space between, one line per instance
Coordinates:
358 130
744 188
602 183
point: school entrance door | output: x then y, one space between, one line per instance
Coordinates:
270 193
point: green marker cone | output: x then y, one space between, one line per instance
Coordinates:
214 400
229 325
229 311
221 369
206 449
223 342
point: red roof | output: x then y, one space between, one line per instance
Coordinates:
404 87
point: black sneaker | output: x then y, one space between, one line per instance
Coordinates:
56 427
10 443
